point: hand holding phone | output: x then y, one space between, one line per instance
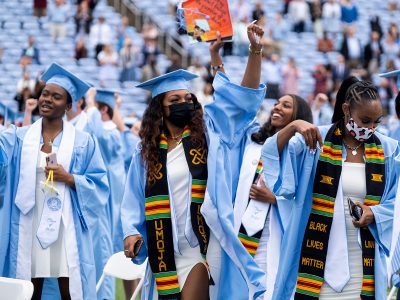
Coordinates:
132 245
355 211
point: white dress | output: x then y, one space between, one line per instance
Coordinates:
50 262
178 178
354 187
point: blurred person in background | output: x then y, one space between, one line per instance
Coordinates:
322 110
197 84
291 76
58 17
340 71
258 11
372 53
129 57
150 70
391 47
100 35
299 14
25 88
375 24
176 63
39 8
273 76
351 47
325 44
30 54
124 31
331 14
321 77
83 18
80 49
108 60
349 12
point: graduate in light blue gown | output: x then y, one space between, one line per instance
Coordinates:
227 120
306 210
81 186
99 114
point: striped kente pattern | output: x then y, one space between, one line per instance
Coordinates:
309 284
374 153
198 190
167 283
331 153
368 285
163 141
322 205
157 207
250 243
370 200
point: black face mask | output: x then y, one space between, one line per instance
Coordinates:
180 114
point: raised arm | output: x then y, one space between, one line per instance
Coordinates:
30 106
117 118
309 131
216 59
252 75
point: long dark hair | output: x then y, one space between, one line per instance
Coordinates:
301 111
353 91
152 126
397 105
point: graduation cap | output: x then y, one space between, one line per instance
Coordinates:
202 24
176 80
76 87
106 97
7 113
392 74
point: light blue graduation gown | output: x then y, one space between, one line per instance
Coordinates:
87 198
290 176
228 119
129 142
112 153
395 133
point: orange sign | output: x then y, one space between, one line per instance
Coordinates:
205 17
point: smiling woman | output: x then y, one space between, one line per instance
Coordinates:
51 214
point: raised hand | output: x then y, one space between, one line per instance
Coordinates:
310 132
216 45
255 34
31 104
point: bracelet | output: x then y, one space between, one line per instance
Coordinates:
255 52
215 68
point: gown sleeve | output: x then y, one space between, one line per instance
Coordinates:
233 110
8 140
132 207
383 213
91 185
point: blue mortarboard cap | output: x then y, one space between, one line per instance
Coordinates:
76 87
106 97
392 74
202 24
7 113
176 80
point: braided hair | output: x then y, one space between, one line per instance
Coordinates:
354 92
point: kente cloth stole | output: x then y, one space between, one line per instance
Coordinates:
316 237
158 215
251 242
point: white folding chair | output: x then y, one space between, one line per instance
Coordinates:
119 266
17 289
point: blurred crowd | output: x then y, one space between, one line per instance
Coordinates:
332 22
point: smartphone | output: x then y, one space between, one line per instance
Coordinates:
137 247
51 159
355 211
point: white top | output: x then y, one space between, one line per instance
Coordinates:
178 178
52 261
354 186
261 254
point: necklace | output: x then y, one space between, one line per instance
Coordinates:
353 149
176 140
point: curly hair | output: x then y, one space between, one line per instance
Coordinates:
301 111
152 126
